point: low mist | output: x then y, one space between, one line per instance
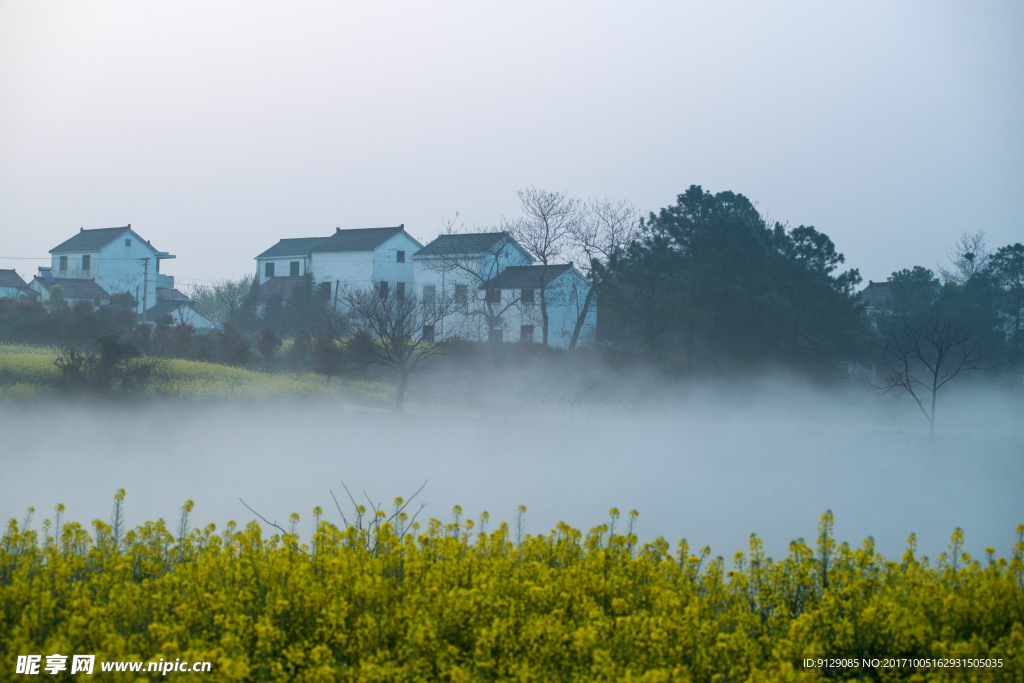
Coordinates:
709 466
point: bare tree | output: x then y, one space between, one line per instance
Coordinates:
229 294
397 332
923 355
547 222
970 255
605 227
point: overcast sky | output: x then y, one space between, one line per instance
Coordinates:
217 128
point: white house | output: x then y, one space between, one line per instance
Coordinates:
518 291
74 289
358 258
180 307
117 259
13 287
456 266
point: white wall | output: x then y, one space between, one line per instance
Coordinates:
282 266
117 267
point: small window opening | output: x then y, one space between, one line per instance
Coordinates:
527 296
127 241
294 269
401 257
63 262
86 262
428 333
268 270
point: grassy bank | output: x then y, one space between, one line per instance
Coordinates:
28 372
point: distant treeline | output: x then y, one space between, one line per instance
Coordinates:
707 285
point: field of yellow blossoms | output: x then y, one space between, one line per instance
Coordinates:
389 600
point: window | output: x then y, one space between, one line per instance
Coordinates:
428 333
268 270
384 288
493 296
429 295
63 262
462 294
400 290
527 296
127 241
86 262
526 333
325 290
401 257
496 334
294 269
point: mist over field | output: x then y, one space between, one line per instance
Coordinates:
709 465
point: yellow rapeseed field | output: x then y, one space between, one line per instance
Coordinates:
29 372
383 600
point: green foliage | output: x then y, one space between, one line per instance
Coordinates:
384 600
711 285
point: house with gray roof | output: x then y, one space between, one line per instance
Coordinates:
873 295
116 259
13 287
563 290
354 258
73 289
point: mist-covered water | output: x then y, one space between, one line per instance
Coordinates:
710 471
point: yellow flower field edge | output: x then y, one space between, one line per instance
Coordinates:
386 600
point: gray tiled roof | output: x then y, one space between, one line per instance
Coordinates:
171 294
362 239
166 307
76 288
280 285
525 277
874 293
10 278
461 244
91 240
297 246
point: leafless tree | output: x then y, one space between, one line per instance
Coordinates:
923 355
970 255
397 331
544 229
605 226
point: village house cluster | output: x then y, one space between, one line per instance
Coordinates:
499 291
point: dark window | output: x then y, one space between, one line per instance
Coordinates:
400 290
269 270
128 241
462 294
294 269
496 334
63 262
526 333
527 296
384 288
429 295
86 262
325 290
494 296
428 333
401 257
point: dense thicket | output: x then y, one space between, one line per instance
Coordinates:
710 285
456 602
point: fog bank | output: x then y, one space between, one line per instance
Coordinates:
697 469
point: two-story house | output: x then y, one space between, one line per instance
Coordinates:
116 259
357 258
564 291
457 266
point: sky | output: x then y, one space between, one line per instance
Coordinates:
216 129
